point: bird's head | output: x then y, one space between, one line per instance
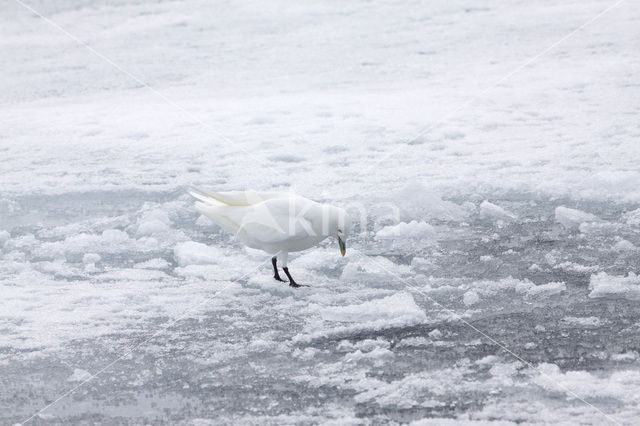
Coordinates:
343 226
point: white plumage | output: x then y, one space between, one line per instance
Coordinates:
275 222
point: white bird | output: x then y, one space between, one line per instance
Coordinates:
275 222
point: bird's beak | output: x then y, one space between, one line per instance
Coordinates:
343 246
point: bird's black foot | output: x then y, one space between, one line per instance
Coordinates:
276 275
292 282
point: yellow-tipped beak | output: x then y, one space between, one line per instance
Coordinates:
343 247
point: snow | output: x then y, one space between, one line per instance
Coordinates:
79 375
156 263
470 298
618 385
191 252
584 321
416 201
531 290
151 227
90 258
503 287
572 218
435 334
396 310
603 285
624 357
494 182
632 217
373 270
412 230
493 211
624 246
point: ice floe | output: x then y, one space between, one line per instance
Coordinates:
603 285
573 218
412 230
193 253
493 211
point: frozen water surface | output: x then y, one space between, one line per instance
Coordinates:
514 218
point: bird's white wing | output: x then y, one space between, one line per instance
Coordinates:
270 222
234 198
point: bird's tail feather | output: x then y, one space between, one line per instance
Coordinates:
219 214
232 198
216 207
207 197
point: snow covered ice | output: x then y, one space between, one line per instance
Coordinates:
493 172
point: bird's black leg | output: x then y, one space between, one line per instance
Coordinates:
292 282
276 275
